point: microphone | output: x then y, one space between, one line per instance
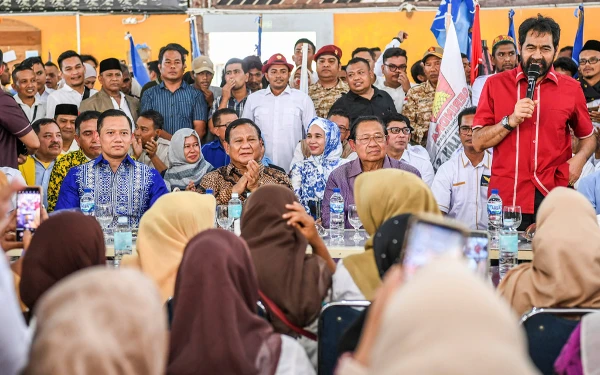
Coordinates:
532 75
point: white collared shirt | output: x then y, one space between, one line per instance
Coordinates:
420 160
35 112
477 87
398 95
123 106
74 147
282 119
461 189
65 95
44 97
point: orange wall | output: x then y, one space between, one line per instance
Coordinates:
376 29
103 36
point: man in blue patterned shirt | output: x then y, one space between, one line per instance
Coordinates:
181 105
114 177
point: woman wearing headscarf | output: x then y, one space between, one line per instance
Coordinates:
187 165
379 196
165 230
580 355
65 243
215 328
445 320
295 281
100 321
565 271
310 176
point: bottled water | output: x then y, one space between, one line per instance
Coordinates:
336 215
209 191
509 250
86 202
123 239
494 208
234 210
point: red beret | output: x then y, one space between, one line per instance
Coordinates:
329 49
276 59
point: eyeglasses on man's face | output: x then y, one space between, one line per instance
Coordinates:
394 68
366 139
466 130
591 61
398 130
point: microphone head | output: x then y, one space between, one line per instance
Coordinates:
534 70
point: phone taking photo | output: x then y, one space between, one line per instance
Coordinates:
476 251
429 239
29 205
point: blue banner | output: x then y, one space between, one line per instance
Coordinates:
578 44
194 38
139 69
511 27
462 14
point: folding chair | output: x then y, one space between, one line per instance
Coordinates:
548 331
335 318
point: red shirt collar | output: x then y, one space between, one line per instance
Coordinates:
551 75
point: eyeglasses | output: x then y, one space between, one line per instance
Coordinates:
343 129
466 130
393 67
397 130
591 61
379 138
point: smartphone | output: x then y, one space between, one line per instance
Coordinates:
428 239
29 203
476 251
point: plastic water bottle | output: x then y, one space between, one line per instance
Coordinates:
209 191
234 209
87 203
123 239
509 250
336 215
494 208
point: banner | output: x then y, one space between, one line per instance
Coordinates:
462 15
451 97
95 6
511 27
139 69
578 44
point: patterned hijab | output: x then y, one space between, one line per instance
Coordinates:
181 171
315 170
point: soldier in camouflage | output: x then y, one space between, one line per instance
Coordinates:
419 100
329 88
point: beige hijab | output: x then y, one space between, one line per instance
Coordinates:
565 271
447 321
100 321
165 230
379 196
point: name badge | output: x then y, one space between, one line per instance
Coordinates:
485 180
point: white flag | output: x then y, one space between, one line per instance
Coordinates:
451 97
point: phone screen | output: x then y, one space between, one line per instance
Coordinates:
476 252
29 202
427 241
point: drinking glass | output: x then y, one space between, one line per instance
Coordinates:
354 221
511 216
223 218
314 207
104 215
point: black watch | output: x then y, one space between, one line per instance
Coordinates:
506 124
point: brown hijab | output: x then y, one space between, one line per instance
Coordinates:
297 282
63 244
100 321
215 327
565 271
379 196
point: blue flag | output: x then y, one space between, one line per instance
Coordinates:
139 70
578 44
258 46
194 37
511 27
462 14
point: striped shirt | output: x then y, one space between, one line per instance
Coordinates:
180 108
238 107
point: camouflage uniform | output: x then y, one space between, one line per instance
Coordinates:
323 98
418 108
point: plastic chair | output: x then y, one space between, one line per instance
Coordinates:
548 331
335 318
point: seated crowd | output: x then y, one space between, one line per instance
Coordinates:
193 299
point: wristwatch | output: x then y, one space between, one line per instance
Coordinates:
506 124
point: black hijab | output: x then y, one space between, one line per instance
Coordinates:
388 241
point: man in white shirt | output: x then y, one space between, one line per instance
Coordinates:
399 129
74 91
148 148
25 85
395 80
111 97
461 184
394 43
65 117
504 57
37 65
297 58
281 113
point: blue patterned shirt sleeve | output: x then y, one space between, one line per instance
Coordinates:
200 108
158 189
68 197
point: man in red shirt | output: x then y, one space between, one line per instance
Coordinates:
531 139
